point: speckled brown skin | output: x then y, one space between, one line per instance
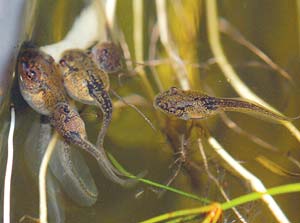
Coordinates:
41 86
197 105
39 80
108 56
69 124
86 83
76 66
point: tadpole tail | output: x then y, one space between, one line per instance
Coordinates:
71 170
106 166
98 92
249 107
104 160
105 104
101 96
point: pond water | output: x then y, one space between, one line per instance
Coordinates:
271 27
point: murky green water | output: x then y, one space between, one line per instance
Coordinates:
271 26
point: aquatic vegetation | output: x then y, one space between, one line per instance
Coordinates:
191 150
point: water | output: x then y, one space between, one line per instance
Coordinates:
137 147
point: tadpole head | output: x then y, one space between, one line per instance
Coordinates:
31 64
172 103
108 57
71 59
64 112
66 120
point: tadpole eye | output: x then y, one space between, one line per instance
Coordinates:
30 74
172 110
63 63
66 109
105 51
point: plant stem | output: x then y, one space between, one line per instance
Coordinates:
8 172
42 178
238 85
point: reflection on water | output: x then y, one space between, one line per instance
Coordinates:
66 164
69 167
35 146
